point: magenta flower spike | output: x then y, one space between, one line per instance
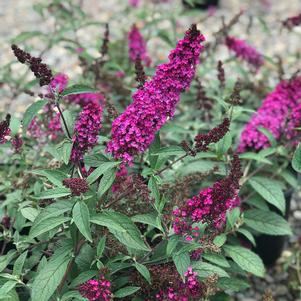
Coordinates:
153 104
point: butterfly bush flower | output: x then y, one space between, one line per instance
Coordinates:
86 130
96 290
245 52
76 185
292 22
58 83
17 143
83 99
137 46
279 113
183 291
134 3
210 205
153 104
4 129
54 127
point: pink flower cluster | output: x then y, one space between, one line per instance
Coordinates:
134 3
83 99
96 290
137 46
58 83
210 205
86 130
134 130
201 208
54 126
245 52
192 288
280 113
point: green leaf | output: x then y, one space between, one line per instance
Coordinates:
217 259
64 149
101 246
155 146
122 228
147 218
50 276
232 217
170 151
232 284
296 162
246 259
25 35
106 181
224 144
81 218
269 135
182 262
6 288
126 291
31 111
267 222
248 235
220 240
153 187
18 266
6 259
205 269
270 190
47 225
29 213
100 170
95 160
83 277
142 269
70 119
54 193
255 157
78 89
54 176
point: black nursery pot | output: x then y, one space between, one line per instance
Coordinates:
201 4
270 247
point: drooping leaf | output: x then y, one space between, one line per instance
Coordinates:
205 269
270 190
122 228
182 262
142 269
267 222
126 291
31 112
50 276
246 259
54 193
296 162
78 89
100 170
81 218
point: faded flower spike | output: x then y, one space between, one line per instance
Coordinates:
4 129
134 130
40 70
77 186
245 52
292 22
137 46
213 136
